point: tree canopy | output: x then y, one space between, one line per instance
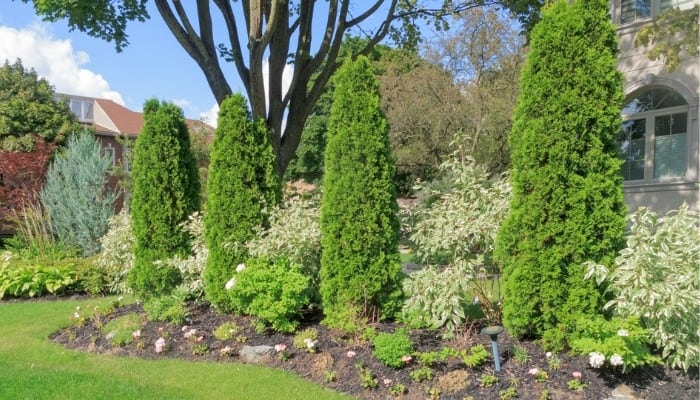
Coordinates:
28 106
265 35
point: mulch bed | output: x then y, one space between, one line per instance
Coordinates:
331 366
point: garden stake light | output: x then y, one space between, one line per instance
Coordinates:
492 332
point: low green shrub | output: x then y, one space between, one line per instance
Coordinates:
168 308
622 342
476 356
656 281
226 331
120 331
391 348
302 339
294 232
273 291
90 278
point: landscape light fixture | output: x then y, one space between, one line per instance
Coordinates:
492 332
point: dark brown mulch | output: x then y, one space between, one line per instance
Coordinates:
453 379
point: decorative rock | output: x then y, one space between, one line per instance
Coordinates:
253 354
624 392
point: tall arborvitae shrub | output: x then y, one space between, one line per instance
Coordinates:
360 265
76 196
567 202
165 193
242 185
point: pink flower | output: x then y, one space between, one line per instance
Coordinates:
533 371
387 382
160 345
576 374
406 359
200 338
189 333
351 354
280 347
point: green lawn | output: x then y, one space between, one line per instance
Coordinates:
32 367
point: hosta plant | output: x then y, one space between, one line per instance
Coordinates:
657 279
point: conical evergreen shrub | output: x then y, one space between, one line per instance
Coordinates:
76 196
242 185
567 204
165 192
360 264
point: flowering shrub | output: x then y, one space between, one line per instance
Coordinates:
160 345
656 280
273 291
621 341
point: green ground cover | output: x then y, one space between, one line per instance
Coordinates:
32 367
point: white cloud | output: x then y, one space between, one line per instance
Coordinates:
55 60
287 74
182 103
211 117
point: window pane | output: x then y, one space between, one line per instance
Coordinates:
653 99
682 4
633 10
631 143
669 156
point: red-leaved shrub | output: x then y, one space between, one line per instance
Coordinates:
22 176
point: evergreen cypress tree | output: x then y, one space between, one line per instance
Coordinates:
165 193
360 265
567 204
242 185
76 196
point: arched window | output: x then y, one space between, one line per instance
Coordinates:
654 135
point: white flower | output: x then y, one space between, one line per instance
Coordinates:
387 382
136 334
160 345
226 351
351 354
623 332
548 354
616 360
76 315
596 359
109 336
230 283
533 371
240 267
310 344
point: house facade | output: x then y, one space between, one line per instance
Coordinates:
660 137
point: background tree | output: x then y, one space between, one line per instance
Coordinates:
165 193
484 53
28 106
425 110
242 187
263 33
567 204
76 197
360 264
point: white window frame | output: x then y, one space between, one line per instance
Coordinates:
110 151
649 142
655 9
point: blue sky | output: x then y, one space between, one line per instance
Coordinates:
153 65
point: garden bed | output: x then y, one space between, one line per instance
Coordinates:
334 364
